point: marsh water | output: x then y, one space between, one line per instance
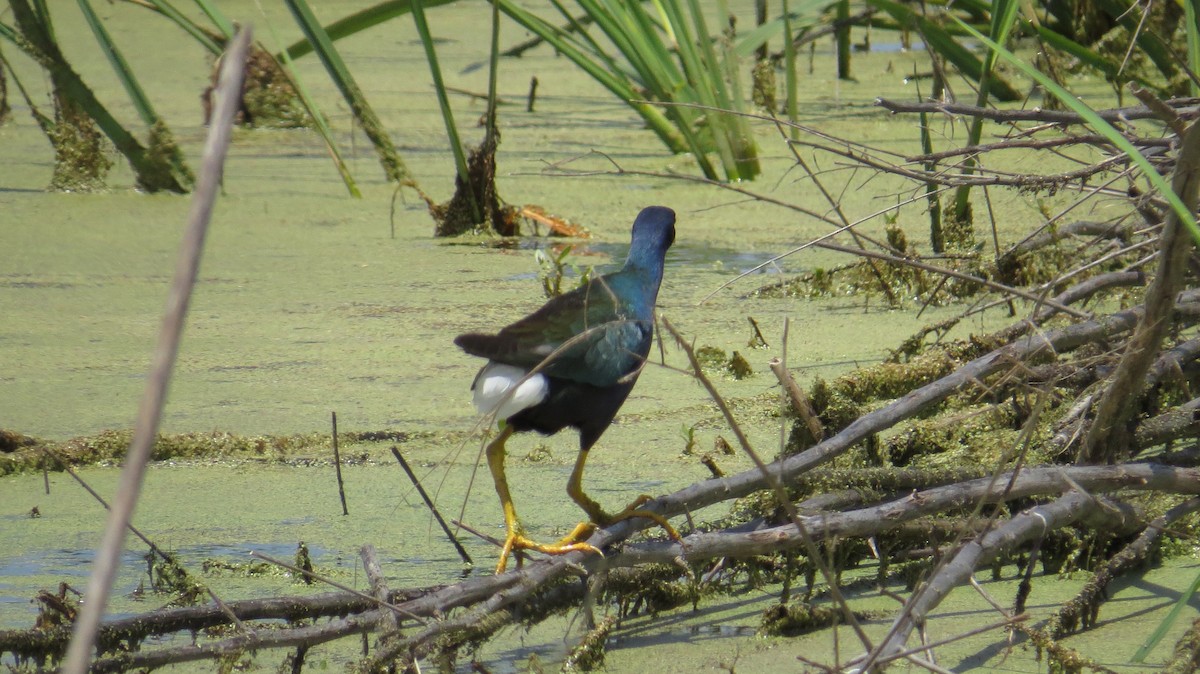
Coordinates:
311 302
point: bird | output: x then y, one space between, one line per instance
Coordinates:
571 364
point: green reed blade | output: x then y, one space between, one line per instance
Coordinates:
613 80
460 158
36 40
360 21
198 33
288 67
1160 184
1168 621
389 158
124 73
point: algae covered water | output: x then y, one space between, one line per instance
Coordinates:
311 302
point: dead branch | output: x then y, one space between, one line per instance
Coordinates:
979 177
1174 424
1075 229
1040 482
486 603
801 405
300 636
1084 609
1051 342
1032 144
1076 293
1024 527
1185 108
1109 435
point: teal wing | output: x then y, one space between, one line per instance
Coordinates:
604 339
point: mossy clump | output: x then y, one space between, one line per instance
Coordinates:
165 168
739 367
958 229
906 372
833 406
711 358
984 435
221 568
168 576
81 160
29 454
652 588
714 359
11 441
763 86
459 215
269 98
589 654
796 618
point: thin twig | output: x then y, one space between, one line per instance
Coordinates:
104 569
462 552
773 481
333 583
800 402
337 464
999 287
154 549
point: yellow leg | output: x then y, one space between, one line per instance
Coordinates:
515 538
597 515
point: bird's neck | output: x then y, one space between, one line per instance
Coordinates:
645 261
648 272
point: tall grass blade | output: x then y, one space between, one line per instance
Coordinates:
797 15
1160 184
1192 30
655 66
162 143
791 90
36 40
1129 15
389 158
358 22
941 41
668 55
198 33
124 73
218 19
1159 632
841 36
45 123
493 72
460 158
1004 15
745 147
614 80
322 126
1089 57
